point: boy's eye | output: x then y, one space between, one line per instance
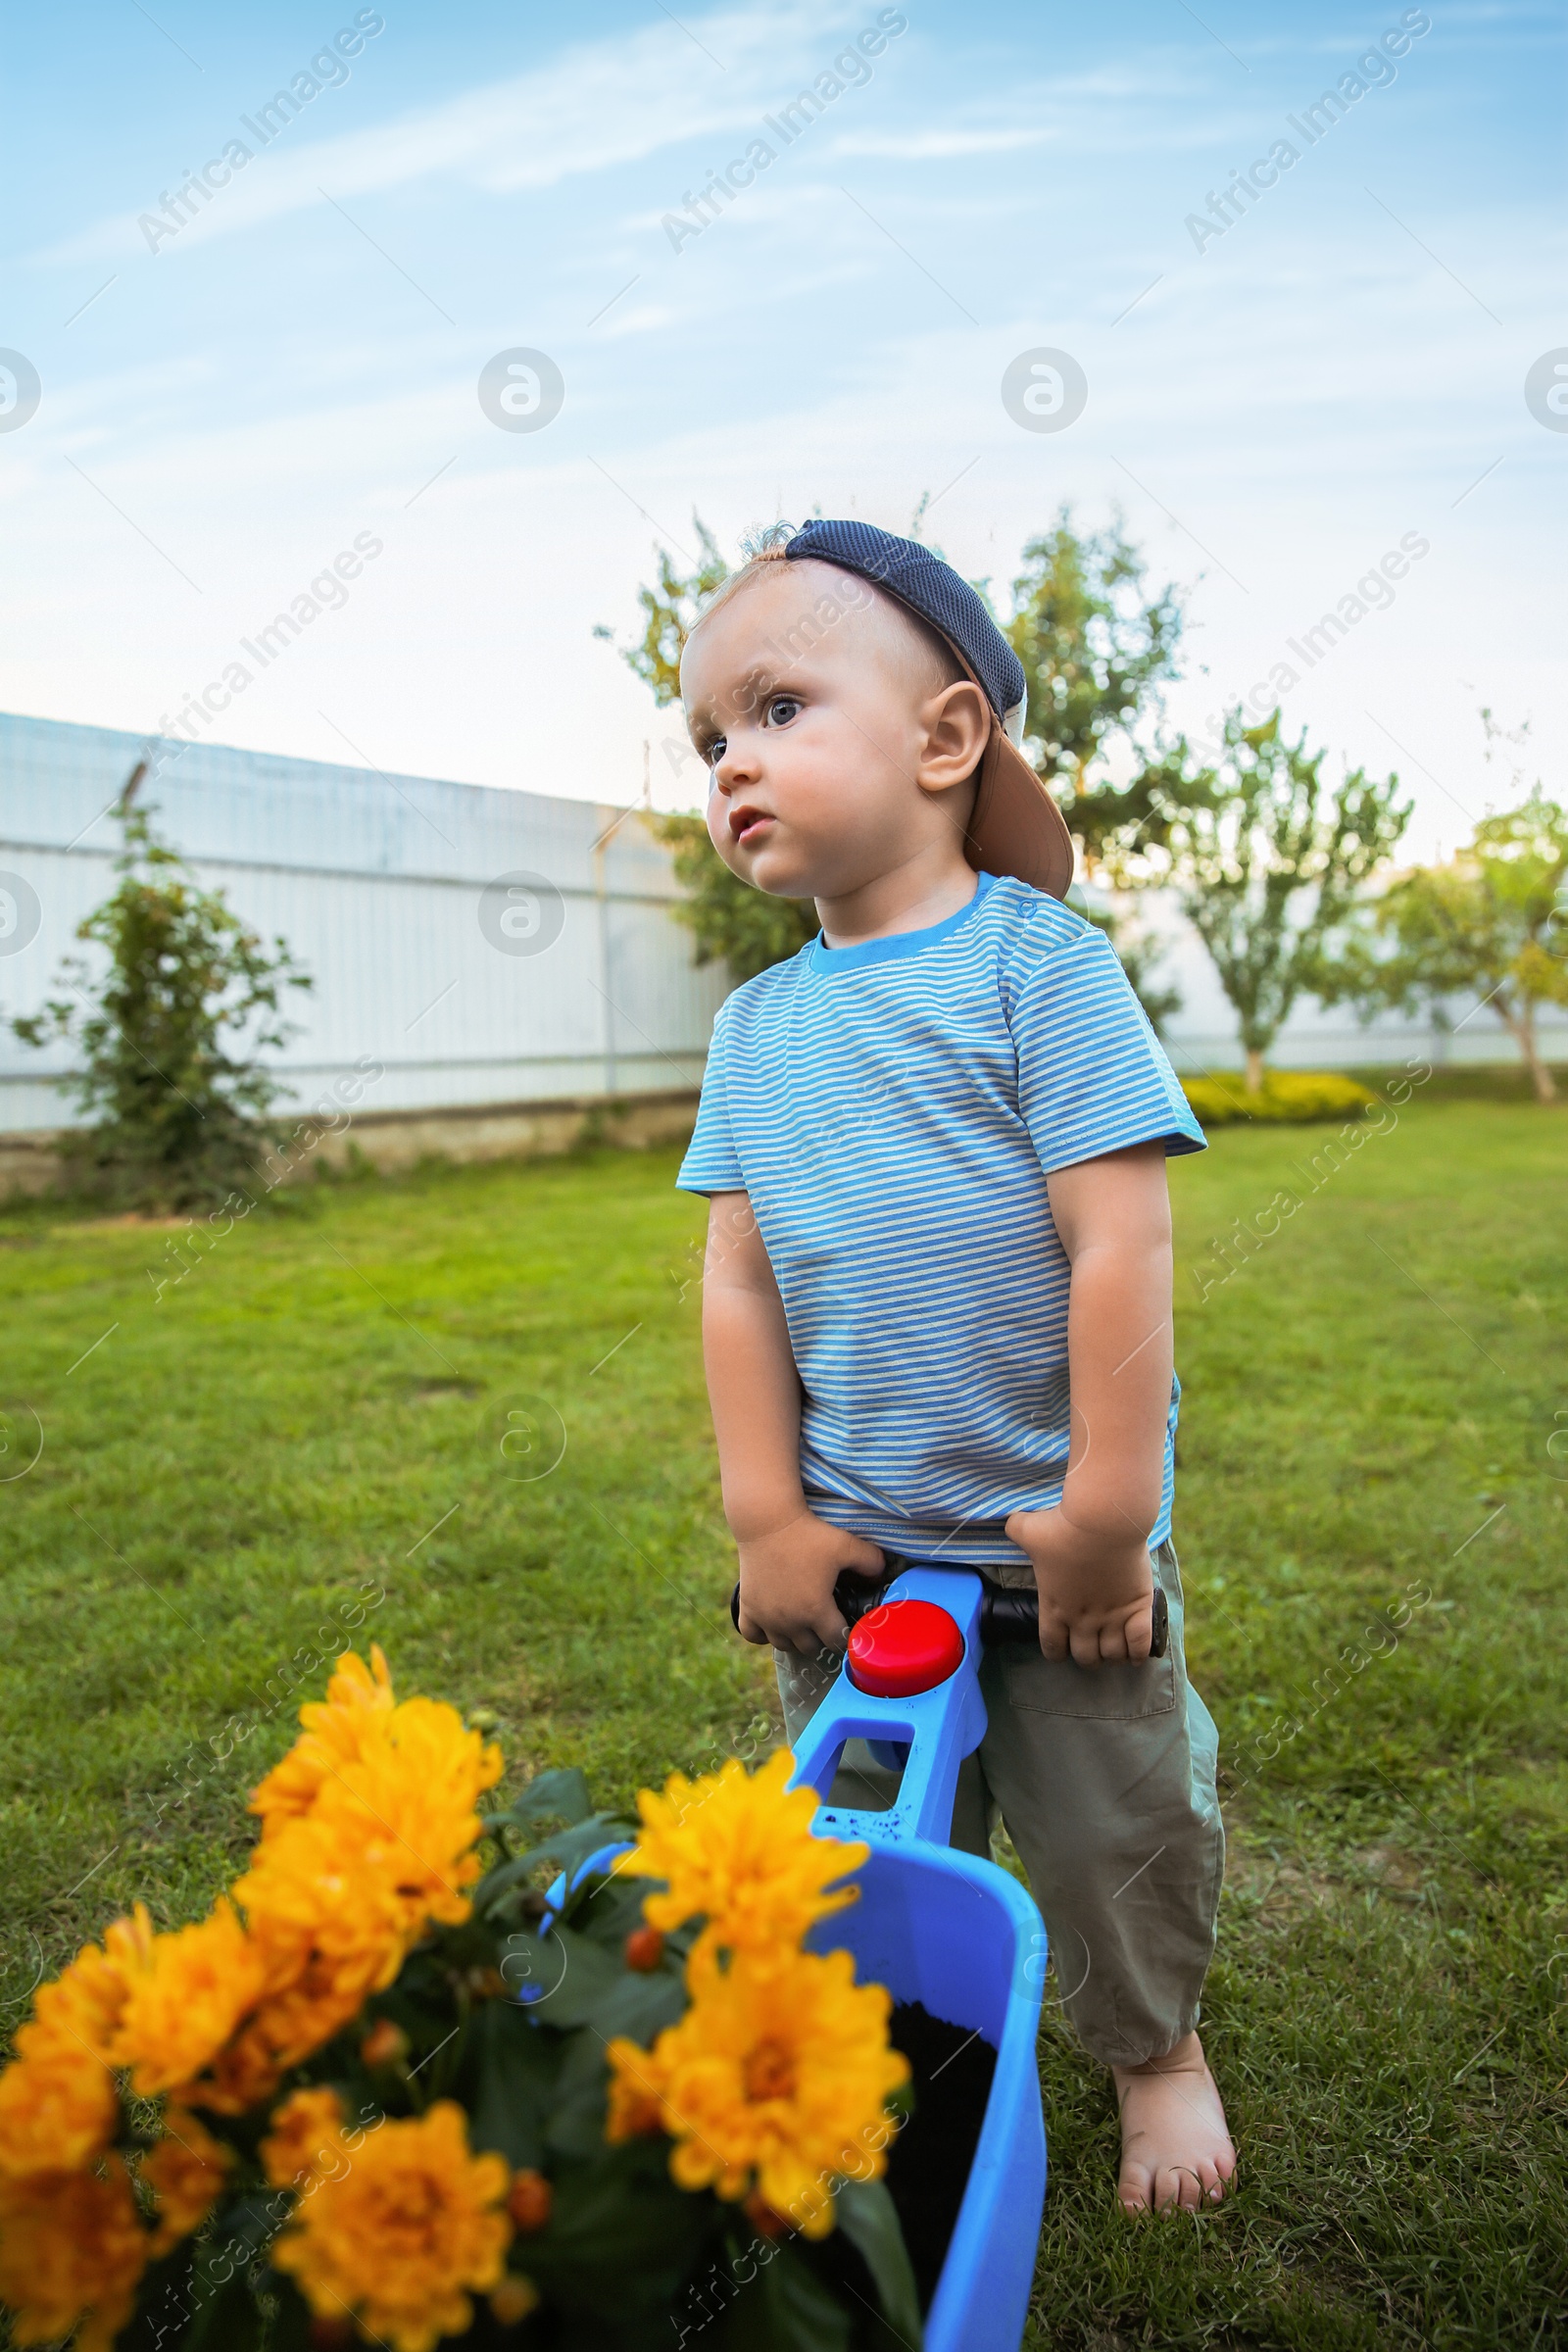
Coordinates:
782 709
714 753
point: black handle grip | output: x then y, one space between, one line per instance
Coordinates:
1005 1614
1008 1615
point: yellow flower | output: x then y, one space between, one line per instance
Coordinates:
421 1790
359 1699
335 1898
369 1831
87 1998
243 2074
385 1847
72 2251
305 2138
316 1992
404 2233
362 1850
636 2110
184 2171
332 1928
739 1852
186 2000
58 2103
776 2081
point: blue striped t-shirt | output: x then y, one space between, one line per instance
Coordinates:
894 1109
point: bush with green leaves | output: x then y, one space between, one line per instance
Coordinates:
167 1031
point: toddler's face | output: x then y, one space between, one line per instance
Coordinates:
824 721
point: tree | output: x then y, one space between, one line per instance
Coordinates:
1094 646
1268 868
179 1120
669 610
1494 918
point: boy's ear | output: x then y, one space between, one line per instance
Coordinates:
958 730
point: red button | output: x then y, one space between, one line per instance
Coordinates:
904 1646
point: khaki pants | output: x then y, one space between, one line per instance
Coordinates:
1104 1779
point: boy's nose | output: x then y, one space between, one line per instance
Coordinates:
736 766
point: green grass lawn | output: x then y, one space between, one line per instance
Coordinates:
344 1408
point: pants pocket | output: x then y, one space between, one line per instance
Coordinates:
1121 1693
1116 1693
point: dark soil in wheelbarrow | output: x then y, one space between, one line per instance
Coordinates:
928 2164
951 2075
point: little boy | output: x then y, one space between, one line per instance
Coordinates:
937 1303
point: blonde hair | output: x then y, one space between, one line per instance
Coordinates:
761 547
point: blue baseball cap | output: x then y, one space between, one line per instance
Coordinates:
1016 827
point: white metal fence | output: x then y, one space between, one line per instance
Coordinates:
479 945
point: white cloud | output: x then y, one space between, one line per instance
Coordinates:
597 105
937 146
644 318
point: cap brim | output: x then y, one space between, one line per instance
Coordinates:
1016 827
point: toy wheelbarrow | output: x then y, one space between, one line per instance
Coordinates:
935 1926
938 1927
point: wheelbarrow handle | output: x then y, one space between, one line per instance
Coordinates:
1006 1614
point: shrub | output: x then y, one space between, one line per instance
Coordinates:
179 1120
1287 1098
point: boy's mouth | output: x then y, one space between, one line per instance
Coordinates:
746 823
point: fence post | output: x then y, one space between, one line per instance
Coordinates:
606 997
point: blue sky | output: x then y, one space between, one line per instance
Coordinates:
1340 370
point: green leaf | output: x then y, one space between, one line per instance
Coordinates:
573 1974
641 2007
507 2082
550 1795
576 2126
608 1908
162 2303
227 2317
621 2242
569 1848
870 2219
215 2296
572 1847
787 2308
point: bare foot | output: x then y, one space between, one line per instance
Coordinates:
1175 2148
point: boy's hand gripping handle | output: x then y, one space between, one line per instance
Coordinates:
1006 1614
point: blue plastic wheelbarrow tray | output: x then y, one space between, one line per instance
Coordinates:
957 1935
